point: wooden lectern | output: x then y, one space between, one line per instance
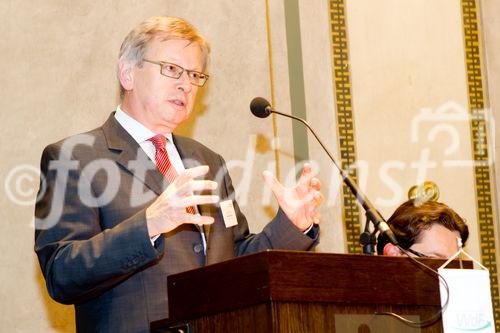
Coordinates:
293 291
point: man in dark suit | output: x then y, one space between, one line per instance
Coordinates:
122 206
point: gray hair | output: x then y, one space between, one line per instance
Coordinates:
164 28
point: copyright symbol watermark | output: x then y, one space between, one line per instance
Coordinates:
21 185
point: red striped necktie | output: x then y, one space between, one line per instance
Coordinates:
163 162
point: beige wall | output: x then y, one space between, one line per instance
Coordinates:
58 78
407 58
491 48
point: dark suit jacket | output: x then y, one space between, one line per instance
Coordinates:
92 240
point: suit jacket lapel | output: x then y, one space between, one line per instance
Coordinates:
131 156
134 160
191 158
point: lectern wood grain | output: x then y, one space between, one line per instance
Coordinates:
292 291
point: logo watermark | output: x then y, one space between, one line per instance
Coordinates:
98 182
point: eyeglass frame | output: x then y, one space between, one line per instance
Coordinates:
188 71
418 254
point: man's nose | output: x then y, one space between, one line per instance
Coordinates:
184 82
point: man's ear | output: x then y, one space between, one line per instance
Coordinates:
392 250
126 74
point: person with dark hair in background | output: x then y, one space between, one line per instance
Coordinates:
425 229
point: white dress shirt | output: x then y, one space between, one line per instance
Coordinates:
142 134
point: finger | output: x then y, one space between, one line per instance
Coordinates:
315 184
196 185
306 168
314 211
313 200
291 199
318 198
199 219
314 216
194 200
305 177
190 173
273 183
197 171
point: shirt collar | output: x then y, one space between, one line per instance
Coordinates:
138 131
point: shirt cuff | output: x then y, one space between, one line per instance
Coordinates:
305 232
154 238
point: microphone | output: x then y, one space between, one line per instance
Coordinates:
261 108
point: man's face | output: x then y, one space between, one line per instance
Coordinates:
162 103
437 242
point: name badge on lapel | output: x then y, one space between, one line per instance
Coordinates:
228 213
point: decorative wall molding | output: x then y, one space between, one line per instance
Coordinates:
482 170
345 121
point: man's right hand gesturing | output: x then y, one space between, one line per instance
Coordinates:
168 211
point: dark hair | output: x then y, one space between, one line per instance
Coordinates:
414 216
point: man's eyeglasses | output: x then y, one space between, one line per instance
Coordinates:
175 71
418 254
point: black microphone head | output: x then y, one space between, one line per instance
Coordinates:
260 107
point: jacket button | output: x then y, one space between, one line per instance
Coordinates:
197 248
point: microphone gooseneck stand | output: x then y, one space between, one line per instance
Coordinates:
261 108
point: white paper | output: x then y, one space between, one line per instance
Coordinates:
469 307
228 213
